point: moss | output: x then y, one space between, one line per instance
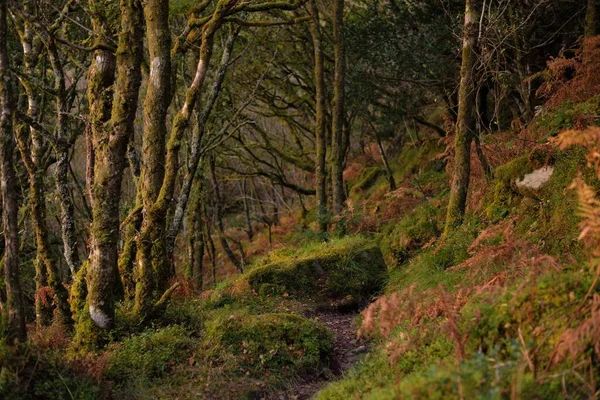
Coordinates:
400 241
147 356
367 178
567 116
345 268
278 343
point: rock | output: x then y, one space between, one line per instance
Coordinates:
532 182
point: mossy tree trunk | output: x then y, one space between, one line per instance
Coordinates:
62 144
154 269
195 233
320 127
32 148
111 127
591 19
153 273
337 142
8 188
465 126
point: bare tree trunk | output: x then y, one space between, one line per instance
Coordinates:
337 145
465 125
8 187
320 128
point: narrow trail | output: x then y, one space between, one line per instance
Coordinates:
347 350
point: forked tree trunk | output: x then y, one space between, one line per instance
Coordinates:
465 124
8 187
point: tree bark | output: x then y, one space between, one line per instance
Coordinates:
320 128
197 151
337 145
111 128
152 260
591 19
465 124
8 188
219 218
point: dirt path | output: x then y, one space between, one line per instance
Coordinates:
346 351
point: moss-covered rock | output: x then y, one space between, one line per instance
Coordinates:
367 178
281 343
400 241
351 269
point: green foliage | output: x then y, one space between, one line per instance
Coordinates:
567 116
278 343
27 372
367 178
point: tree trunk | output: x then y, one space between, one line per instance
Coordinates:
109 142
196 150
386 164
154 271
219 218
465 124
591 19
152 260
67 217
8 188
320 127
249 230
337 145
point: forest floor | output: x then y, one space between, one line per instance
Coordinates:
347 350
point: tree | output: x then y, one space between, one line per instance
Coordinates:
320 127
337 141
8 187
111 125
465 126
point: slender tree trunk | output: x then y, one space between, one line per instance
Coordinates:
386 164
110 146
591 19
219 218
196 151
249 230
8 188
320 127
61 171
195 228
337 145
465 124
152 259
